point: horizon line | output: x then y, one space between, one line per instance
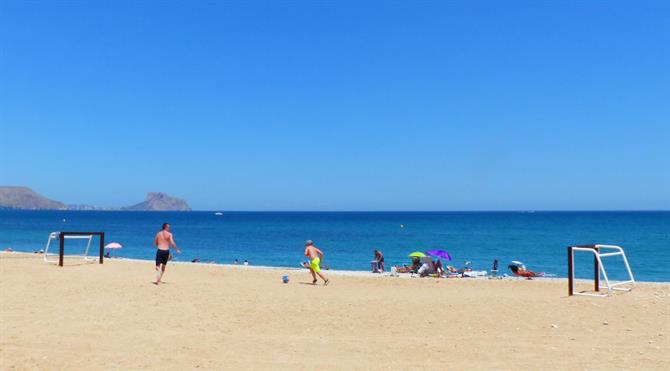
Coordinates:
528 211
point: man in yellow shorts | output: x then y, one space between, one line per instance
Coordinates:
315 255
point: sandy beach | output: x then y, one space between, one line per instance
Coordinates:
111 317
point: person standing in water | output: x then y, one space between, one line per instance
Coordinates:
163 241
315 255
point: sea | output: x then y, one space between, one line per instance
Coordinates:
348 239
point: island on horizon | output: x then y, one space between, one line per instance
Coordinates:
24 198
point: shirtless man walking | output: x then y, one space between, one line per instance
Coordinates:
315 255
163 242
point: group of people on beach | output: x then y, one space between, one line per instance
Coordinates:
164 240
425 266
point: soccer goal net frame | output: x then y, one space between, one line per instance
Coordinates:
599 252
62 236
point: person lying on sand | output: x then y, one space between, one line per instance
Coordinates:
521 271
403 269
416 264
451 269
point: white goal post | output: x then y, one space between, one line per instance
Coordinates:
599 269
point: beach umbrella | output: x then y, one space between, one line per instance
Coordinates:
439 254
112 246
416 254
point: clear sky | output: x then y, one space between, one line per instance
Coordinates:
361 105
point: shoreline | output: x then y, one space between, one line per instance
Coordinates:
338 272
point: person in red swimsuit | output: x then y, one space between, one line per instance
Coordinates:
521 271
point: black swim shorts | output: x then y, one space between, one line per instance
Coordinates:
162 256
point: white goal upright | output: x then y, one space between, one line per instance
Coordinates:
63 236
599 252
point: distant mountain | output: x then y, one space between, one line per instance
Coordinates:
157 201
26 198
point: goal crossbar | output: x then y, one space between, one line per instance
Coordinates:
62 236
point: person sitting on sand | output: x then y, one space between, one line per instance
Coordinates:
427 267
315 255
438 267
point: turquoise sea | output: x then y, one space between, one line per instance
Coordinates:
539 239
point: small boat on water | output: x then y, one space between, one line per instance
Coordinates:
218 213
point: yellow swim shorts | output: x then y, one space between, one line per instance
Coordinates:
314 264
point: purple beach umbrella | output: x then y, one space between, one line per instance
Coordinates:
439 254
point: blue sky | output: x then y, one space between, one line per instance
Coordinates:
362 105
